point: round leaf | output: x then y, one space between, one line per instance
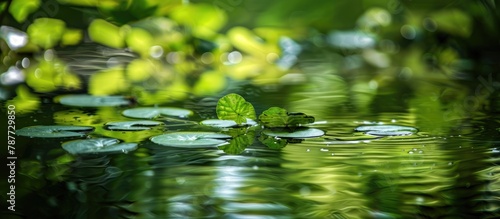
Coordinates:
92 101
153 112
386 130
53 131
297 133
191 139
235 107
132 125
98 145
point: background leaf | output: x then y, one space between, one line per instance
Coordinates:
20 9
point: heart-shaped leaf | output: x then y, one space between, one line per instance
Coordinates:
235 107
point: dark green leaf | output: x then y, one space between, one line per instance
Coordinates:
235 107
278 117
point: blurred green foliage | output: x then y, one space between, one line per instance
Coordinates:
201 47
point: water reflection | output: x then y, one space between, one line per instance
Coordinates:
344 174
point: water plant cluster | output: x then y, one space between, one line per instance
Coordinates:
236 128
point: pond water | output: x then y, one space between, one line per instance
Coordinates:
447 169
377 109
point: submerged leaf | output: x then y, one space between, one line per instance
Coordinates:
386 130
235 107
132 125
153 112
98 145
54 131
278 117
191 139
297 133
92 101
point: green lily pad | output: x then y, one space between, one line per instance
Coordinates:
297 133
54 131
235 107
154 112
80 100
132 125
387 130
279 117
98 145
219 123
191 139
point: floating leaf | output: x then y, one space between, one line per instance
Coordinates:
225 123
297 133
235 107
98 145
273 142
278 117
386 130
54 131
153 112
82 100
191 139
132 125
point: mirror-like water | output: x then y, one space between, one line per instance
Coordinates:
343 174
